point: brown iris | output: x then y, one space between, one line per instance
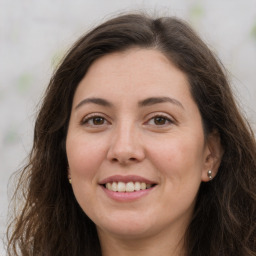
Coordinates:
98 120
160 120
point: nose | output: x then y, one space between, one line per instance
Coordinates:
126 146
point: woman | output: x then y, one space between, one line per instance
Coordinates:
139 148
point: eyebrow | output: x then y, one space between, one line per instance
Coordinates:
98 101
143 103
156 100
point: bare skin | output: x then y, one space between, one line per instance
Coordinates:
133 117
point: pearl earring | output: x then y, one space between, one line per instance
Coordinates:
209 174
69 179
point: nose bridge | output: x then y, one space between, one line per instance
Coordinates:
125 143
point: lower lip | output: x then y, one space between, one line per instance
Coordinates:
127 196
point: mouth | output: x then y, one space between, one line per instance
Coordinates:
119 186
130 183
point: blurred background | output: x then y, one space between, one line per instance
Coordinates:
34 35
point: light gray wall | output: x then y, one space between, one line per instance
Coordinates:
35 34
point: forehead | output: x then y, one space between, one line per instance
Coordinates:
137 70
146 58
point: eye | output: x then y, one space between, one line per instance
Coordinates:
94 121
160 120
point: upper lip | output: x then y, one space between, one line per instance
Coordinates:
126 179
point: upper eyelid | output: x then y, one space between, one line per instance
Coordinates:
160 114
92 115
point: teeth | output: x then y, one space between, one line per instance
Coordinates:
143 185
113 187
109 186
148 185
137 186
127 187
121 187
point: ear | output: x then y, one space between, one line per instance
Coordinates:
212 156
69 175
68 172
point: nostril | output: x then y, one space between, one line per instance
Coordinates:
123 161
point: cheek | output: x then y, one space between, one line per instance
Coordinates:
84 156
178 157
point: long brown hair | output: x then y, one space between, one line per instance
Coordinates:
224 222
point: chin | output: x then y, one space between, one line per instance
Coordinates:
127 228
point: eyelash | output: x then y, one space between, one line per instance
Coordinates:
92 117
164 117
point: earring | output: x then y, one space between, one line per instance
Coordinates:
69 179
209 174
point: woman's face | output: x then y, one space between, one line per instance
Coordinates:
135 145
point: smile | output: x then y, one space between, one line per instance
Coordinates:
127 187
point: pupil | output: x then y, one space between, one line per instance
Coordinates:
160 120
98 120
